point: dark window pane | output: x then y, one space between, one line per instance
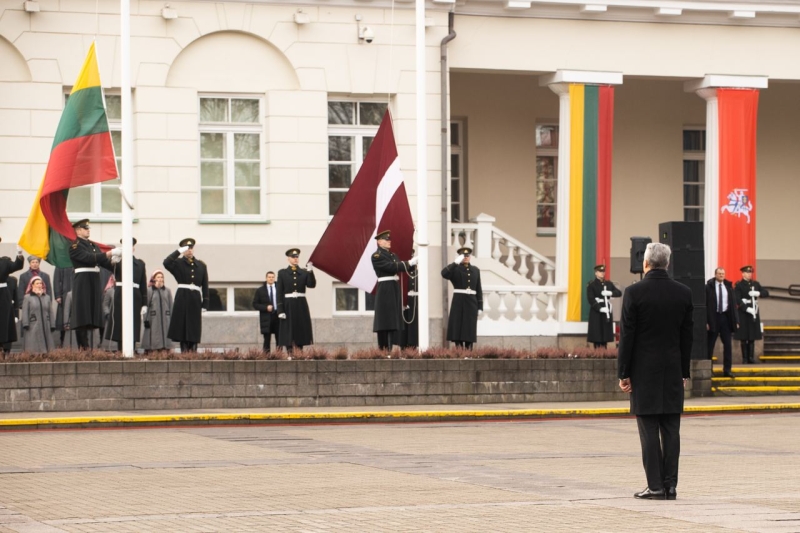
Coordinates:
690 171
693 196
366 143
455 190
340 148
692 215
346 299
334 201
694 140
341 113
243 299
217 299
455 166
545 216
455 134
370 113
369 301
455 213
547 136
339 176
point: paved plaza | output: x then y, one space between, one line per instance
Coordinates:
738 473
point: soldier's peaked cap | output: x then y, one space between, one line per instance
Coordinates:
747 268
466 250
81 223
600 268
185 242
385 234
293 252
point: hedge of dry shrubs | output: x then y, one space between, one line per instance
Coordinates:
320 354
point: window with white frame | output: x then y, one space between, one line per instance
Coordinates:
230 299
101 200
694 171
231 180
546 178
349 300
458 207
352 126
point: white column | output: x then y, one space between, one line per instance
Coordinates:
706 88
127 181
422 178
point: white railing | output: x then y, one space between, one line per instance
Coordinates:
489 241
519 310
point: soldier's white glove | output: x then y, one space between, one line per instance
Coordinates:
144 310
745 300
604 309
182 249
413 261
459 258
282 316
203 310
754 294
16 320
480 311
116 252
19 250
310 267
752 311
606 293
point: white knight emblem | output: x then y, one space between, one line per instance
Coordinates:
739 204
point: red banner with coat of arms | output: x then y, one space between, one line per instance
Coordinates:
738 117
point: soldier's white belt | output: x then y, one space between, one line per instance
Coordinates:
135 285
87 269
190 286
413 293
294 295
388 278
464 291
3 285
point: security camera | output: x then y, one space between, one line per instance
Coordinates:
367 35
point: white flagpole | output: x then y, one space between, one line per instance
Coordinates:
422 180
126 188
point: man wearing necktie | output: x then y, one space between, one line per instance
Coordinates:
265 303
721 317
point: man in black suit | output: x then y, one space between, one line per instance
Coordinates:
721 319
654 354
265 301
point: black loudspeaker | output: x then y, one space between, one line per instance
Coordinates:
638 246
681 235
687 264
698 286
699 333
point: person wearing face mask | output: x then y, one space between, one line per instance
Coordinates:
34 269
191 300
156 319
8 297
37 321
462 324
295 326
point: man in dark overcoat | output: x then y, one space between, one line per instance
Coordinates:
601 322
191 297
12 290
653 365
747 293
114 331
62 284
8 311
462 324
388 320
86 313
295 318
265 301
721 318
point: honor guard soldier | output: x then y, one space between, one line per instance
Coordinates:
462 325
599 293
191 298
114 330
409 337
8 312
388 321
86 313
747 293
295 327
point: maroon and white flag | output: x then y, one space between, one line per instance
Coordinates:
376 201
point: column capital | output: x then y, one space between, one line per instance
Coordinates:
593 77
719 81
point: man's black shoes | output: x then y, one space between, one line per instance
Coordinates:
648 494
672 494
728 375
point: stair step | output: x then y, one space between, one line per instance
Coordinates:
783 358
756 391
761 372
756 381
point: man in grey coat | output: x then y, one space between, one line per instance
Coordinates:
654 355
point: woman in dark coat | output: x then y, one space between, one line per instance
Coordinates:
156 320
8 328
462 325
38 322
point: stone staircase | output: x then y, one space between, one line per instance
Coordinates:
781 345
757 380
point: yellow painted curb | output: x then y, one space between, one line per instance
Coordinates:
761 369
742 379
764 389
20 423
779 328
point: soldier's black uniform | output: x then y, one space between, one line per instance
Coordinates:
462 324
388 320
8 327
409 337
86 313
601 325
749 325
295 328
191 297
114 331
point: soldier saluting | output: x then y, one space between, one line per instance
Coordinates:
599 293
747 292
295 326
86 311
191 298
462 325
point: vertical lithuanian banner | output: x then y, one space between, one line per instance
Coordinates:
82 154
591 141
738 121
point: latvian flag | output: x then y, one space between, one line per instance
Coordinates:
376 201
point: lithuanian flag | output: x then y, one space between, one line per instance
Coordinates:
82 154
591 141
